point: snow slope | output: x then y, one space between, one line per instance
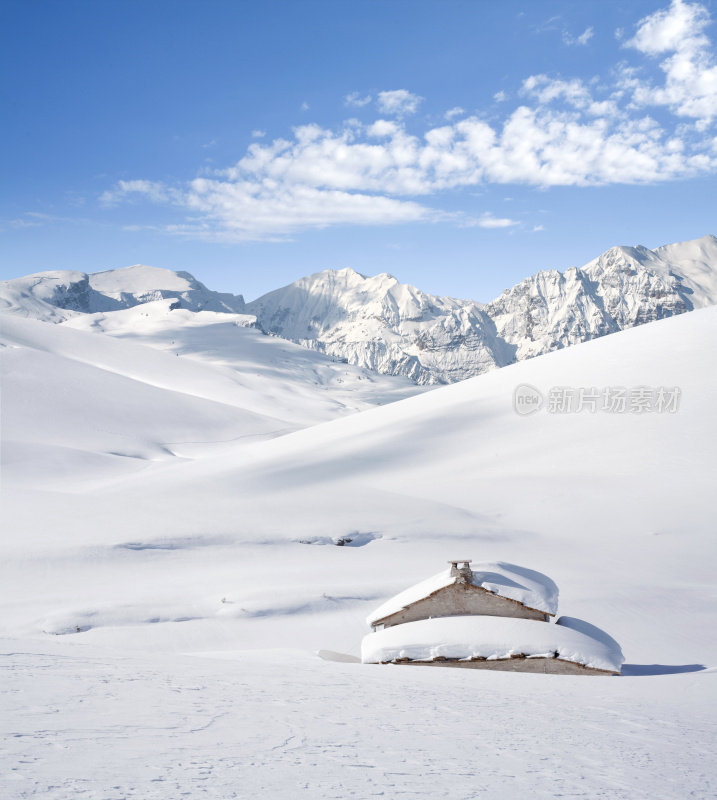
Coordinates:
158 628
162 384
454 467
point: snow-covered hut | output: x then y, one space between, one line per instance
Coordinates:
495 589
495 616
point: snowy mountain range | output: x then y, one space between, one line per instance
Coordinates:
388 327
397 329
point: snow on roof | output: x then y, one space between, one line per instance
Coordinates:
586 628
491 638
532 589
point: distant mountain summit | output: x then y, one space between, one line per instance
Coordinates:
396 329
384 325
57 295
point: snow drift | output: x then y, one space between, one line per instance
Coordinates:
488 638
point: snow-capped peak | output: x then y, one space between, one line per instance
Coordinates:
58 295
382 324
696 263
391 327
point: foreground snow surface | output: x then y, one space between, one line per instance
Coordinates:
158 626
490 638
82 722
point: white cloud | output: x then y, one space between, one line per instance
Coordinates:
305 106
671 29
578 41
38 219
257 210
500 97
369 175
565 132
456 111
139 228
155 191
398 102
556 23
258 134
550 24
487 220
545 89
355 99
690 86
20 223
382 128
573 92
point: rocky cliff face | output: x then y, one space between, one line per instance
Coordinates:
397 329
384 325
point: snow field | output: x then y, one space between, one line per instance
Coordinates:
207 553
82 722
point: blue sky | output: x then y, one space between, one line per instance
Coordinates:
457 145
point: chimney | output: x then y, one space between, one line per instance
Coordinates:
463 573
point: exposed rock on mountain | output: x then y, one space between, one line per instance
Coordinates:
58 295
396 329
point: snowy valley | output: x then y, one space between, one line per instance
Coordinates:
175 483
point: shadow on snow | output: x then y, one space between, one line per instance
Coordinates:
638 670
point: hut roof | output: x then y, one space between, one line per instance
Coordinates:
531 589
493 638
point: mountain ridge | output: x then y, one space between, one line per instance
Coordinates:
58 295
404 331
378 323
